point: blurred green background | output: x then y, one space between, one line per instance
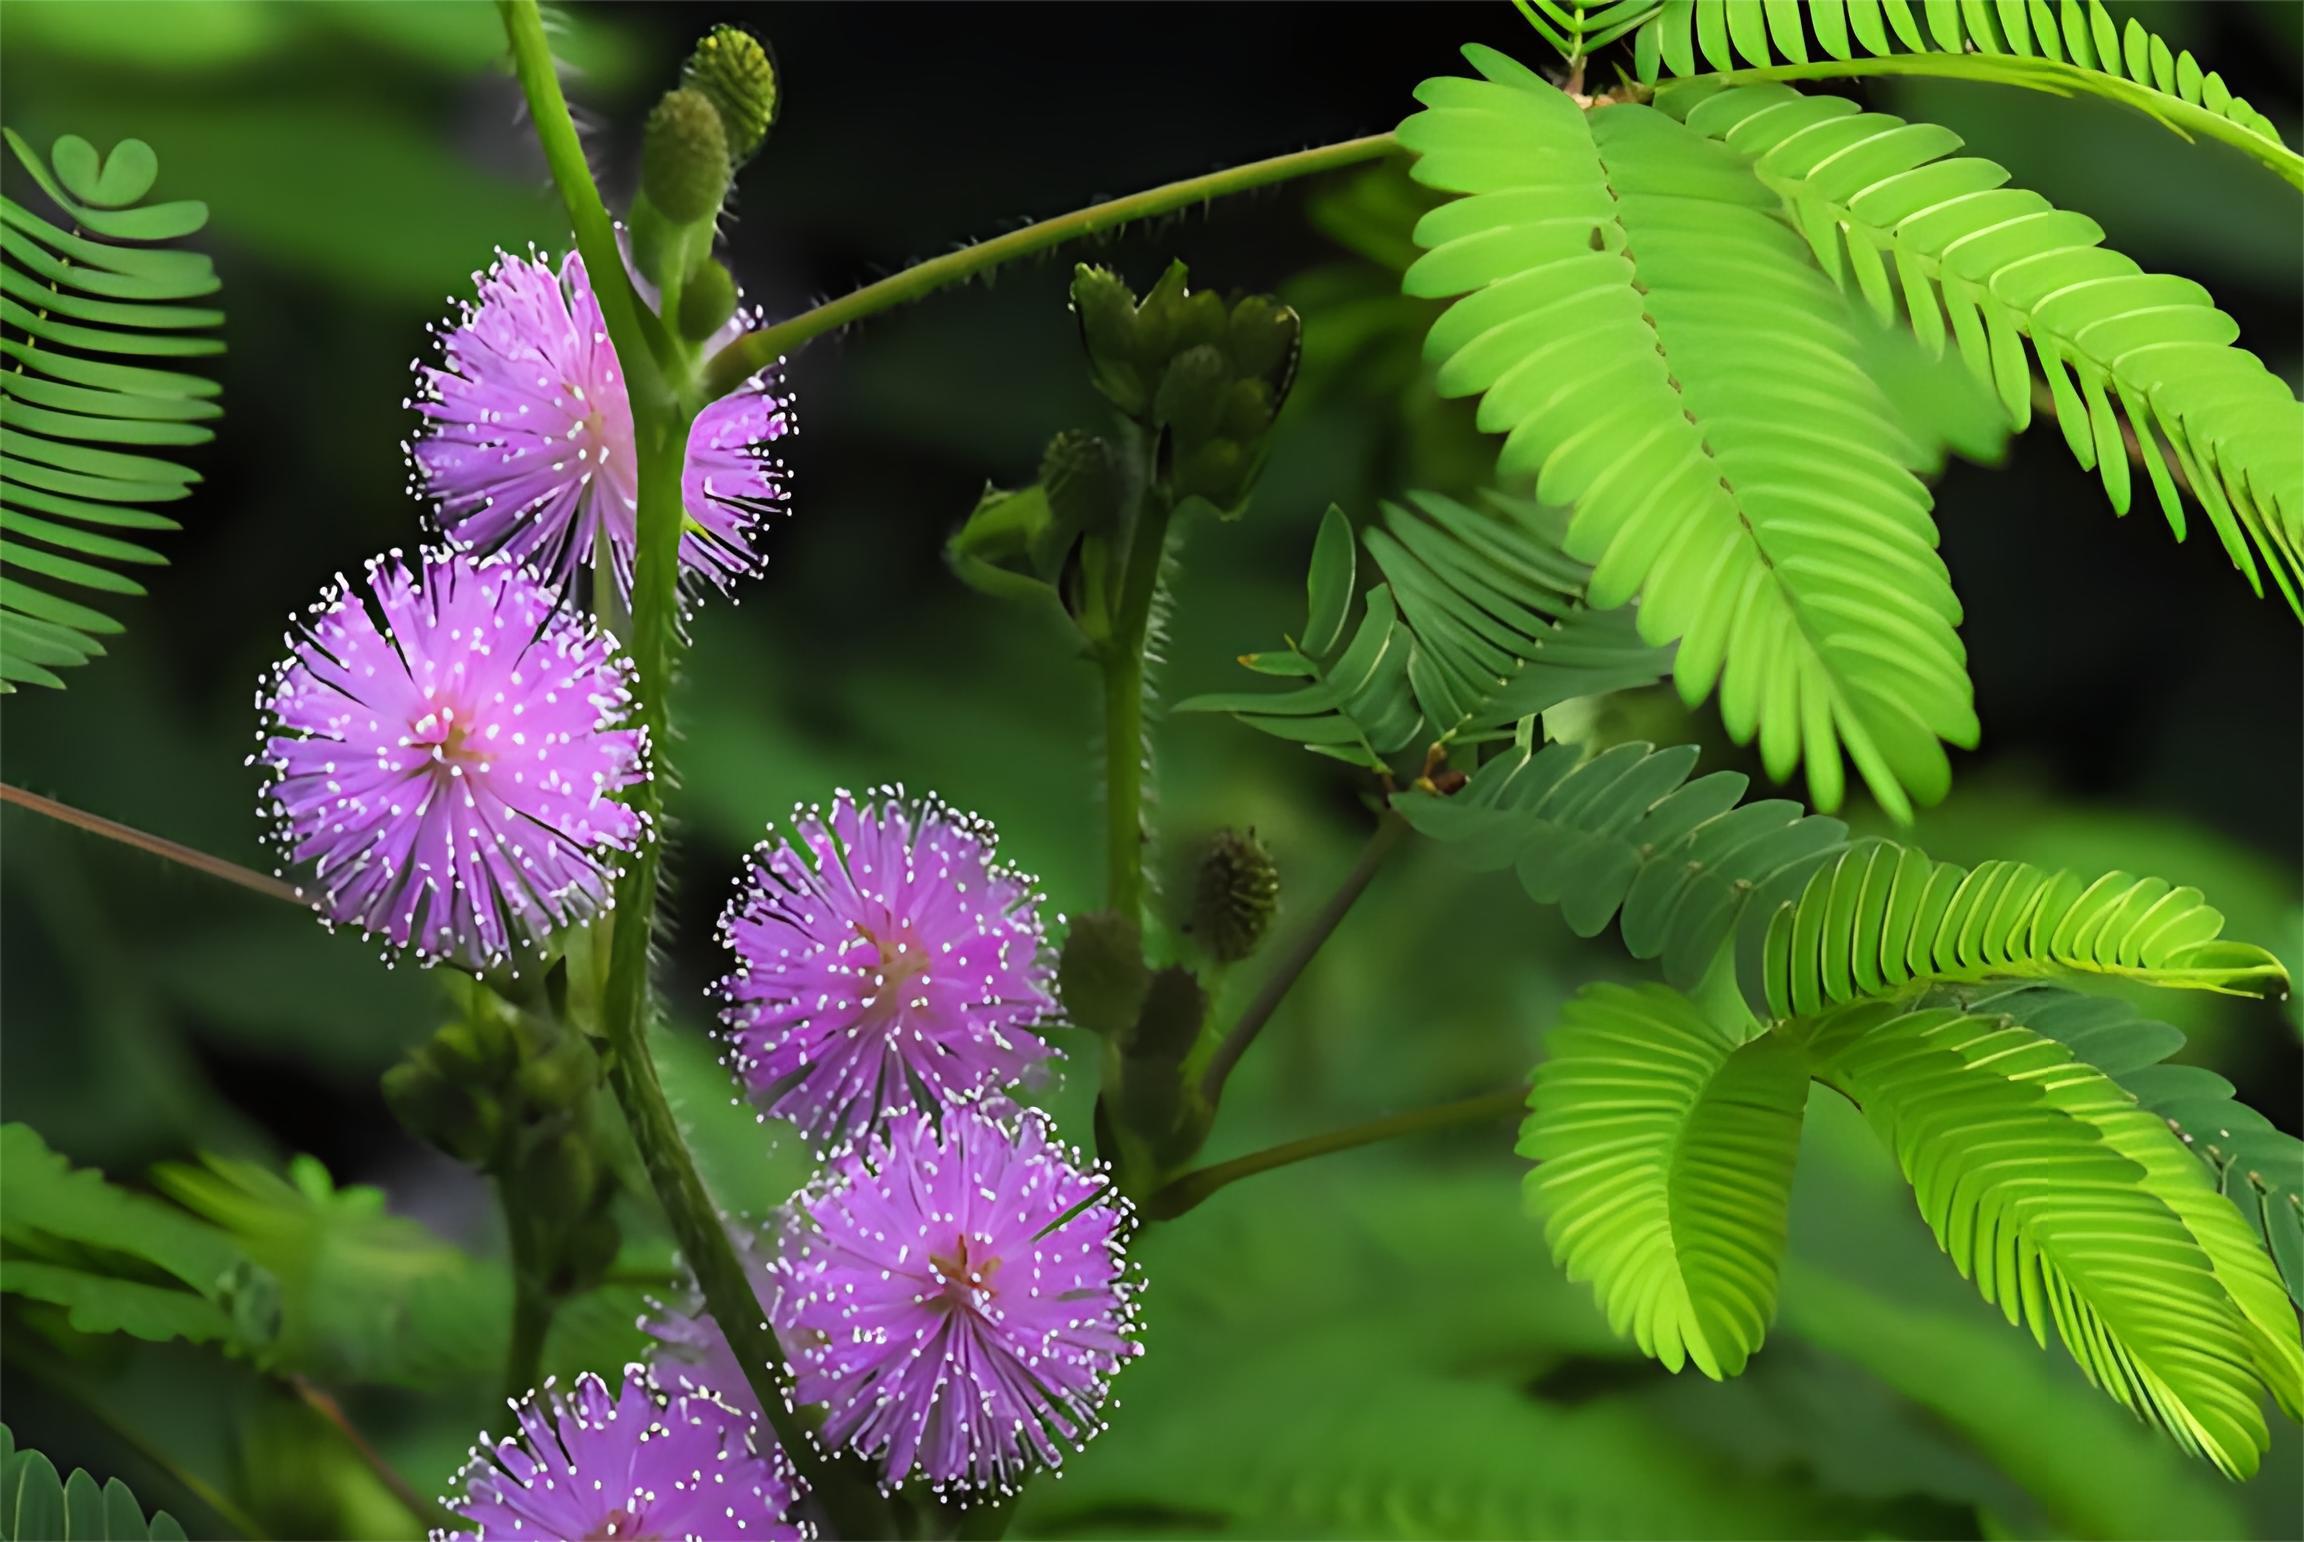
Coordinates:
1373 1345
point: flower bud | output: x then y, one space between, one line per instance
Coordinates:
684 157
733 70
1101 975
1234 895
558 1079
707 302
1263 338
1084 483
1108 329
1169 1021
1219 471
1192 393
1247 411
556 1181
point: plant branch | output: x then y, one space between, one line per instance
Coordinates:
156 845
755 351
2056 77
1123 665
1389 830
321 1403
1184 1193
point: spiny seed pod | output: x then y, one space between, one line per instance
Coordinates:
1234 895
684 157
1100 974
1174 1007
1082 477
707 302
733 69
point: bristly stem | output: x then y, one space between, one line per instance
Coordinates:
755 351
158 845
1184 1193
1123 665
1301 948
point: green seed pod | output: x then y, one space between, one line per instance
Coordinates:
1169 1021
1192 393
707 302
684 157
1107 312
1101 975
1234 895
1082 477
733 69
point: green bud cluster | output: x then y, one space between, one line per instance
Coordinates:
733 70
684 158
1208 376
1235 891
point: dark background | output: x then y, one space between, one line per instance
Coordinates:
2140 707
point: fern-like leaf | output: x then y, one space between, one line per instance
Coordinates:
1627 831
1654 341
1579 30
1941 238
2076 1212
73 422
1882 918
2062 46
1664 1146
1481 622
38 1506
2256 1164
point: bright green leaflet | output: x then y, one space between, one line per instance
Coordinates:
36 1505
1658 347
1888 208
2067 47
76 479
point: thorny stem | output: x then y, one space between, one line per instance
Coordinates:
1184 1193
1389 830
326 1406
1123 665
660 430
748 355
157 845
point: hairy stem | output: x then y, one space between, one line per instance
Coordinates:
1123 666
532 1304
1301 948
158 846
755 351
1184 1193
326 1406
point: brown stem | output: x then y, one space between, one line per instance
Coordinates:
158 845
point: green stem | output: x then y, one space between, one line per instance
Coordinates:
532 1304
1188 1191
755 351
1389 830
426 1512
158 846
1123 665
2056 77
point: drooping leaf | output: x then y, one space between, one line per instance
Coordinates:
1664 1146
76 478
1658 348
2075 1211
1626 831
2130 357
2062 46
1882 918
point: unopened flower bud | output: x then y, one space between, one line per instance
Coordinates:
557 1180
1192 393
1107 312
1218 471
1234 895
684 157
462 1120
707 302
1101 975
1263 337
1084 483
1200 321
559 1078
1174 1007
733 69
1247 411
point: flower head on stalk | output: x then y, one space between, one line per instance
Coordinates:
627 1462
528 443
883 956
442 756
953 1292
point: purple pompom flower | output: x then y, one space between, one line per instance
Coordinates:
881 955
955 1296
528 447
442 760
598 1463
